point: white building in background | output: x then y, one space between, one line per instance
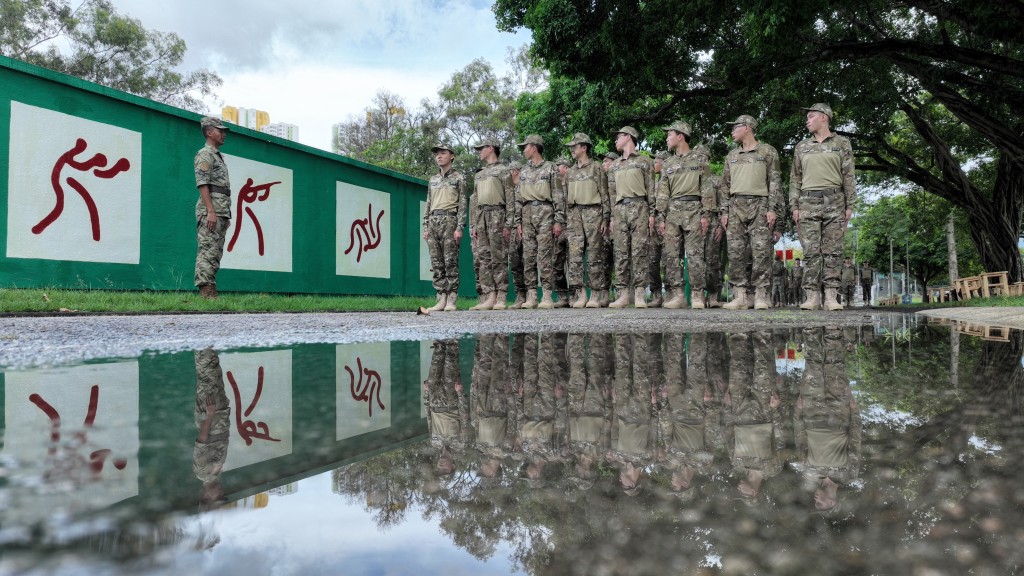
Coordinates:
337 130
282 130
249 117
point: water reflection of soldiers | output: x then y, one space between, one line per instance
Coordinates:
540 400
490 402
213 419
447 412
589 404
827 424
688 416
633 430
751 412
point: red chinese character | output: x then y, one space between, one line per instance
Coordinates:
367 231
248 195
248 429
368 391
66 464
68 159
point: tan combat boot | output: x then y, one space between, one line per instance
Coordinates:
520 300
500 298
450 305
831 302
697 300
563 299
604 298
486 302
546 302
623 300
739 301
677 301
810 300
713 300
581 298
531 300
595 299
656 301
639 299
208 291
761 299
442 299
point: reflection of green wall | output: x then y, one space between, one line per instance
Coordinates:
170 138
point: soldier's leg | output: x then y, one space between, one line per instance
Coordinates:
435 244
713 260
832 237
483 255
451 254
621 248
695 259
810 239
738 250
576 239
761 249
498 250
673 252
530 246
209 250
546 247
639 243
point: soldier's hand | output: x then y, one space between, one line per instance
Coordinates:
704 225
796 216
650 224
519 231
556 230
457 235
426 234
211 221
472 233
506 234
603 229
725 221
661 228
771 217
611 227
719 232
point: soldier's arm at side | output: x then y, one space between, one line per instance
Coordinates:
796 176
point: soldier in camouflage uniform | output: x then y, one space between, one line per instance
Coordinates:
540 215
634 430
685 203
492 187
589 402
515 242
866 278
442 226
588 211
491 401
213 210
656 246
713 250
447 409
541 403
213 420
631 187
848 276
609 244
822 193
778 282
751 200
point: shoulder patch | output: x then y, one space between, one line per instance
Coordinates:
204 166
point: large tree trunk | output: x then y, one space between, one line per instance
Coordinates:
954 269
995 225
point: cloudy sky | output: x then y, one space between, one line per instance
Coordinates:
313 64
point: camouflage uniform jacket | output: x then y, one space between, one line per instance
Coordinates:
492 185
687 175
211 170
761 154
621 169
823 165
849 275
540 182
446 192
581 175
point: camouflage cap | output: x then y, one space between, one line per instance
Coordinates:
212 122
563 161
628 130
820 107
610 156
531 139
580 138
746 120
441 146
661 155
514 165
487 142
680 126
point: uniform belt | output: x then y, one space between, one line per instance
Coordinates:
689 197
220 190
749 196
631 199
489 207
443 212
584 206
536 202
819 193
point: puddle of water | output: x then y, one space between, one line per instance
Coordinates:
886 448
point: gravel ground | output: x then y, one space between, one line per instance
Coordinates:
56 340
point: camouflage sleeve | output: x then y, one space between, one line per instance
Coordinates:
460 215
796 177
612 192
426 212
649 183
849 180
203 163
662 194
775 201
517 208
510 197
723 187
602 188
708 197
557 195
474 212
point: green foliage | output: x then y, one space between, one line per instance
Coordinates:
95 43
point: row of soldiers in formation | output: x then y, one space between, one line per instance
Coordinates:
696 405
787 282
624 222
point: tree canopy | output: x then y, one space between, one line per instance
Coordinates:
930 91
94 42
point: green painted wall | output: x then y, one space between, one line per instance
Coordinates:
166 251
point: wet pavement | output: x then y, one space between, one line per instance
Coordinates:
863 443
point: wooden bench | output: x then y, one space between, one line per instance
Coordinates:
994 284
1017 289
969 287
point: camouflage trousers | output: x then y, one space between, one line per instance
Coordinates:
209 380
538 245
655 255
713 258
848 290
560 258
515 262
444 251
751 377
822 235
824 387
778 290
865 292
491 252
631 243
585 241
796 290
750 243
210 249
683 238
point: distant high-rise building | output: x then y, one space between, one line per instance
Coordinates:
337 131
249 117
282 130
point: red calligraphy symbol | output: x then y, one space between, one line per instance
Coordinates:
68 159
72 460
368 391
248 429
367 231
247 195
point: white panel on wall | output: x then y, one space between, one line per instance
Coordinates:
363 244
260 234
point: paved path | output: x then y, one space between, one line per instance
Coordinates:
1011 317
